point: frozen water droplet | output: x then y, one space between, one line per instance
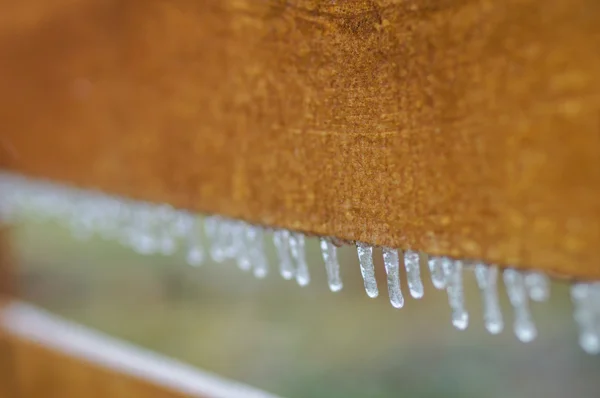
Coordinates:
436 268
413 273
392 268
195 253
230 230
579 291
367 269
454 288
211 226
297 244
220 233
143 243
460 320
161 221
211 223
538 286
586 299
194 256
487 280
329 252
523 326
256 248
281 240
242 249
590 342
526 331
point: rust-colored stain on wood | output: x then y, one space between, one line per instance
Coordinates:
466 127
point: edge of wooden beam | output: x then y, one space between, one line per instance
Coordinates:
33 325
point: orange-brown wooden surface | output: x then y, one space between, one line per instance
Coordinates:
30 370
7 368
465 127
7 281
7 382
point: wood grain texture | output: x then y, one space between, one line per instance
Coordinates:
467 127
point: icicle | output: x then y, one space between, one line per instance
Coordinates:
296 243
195 255
329 252
139 236
256 250
211 229
586 299
413 273
367 269
281 240
195 252
515 288
436 267
454 288
230 230
163 218
392 267
487 280
149 228
538 286
220 232
242 248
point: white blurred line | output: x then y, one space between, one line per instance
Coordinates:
36 325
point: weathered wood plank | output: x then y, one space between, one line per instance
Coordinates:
465 127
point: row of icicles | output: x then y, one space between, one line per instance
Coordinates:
150 229
244 243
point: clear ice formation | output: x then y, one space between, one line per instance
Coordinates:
453 271
487 280
586 299
367 269
281 240
392 269
297 246
195 251
436 268
538 286
332 266
151 229
413 273
523 325
255 244
290 248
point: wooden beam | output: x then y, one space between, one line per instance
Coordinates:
52 357
465 128
8 387
7 277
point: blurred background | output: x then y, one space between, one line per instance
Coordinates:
300 342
